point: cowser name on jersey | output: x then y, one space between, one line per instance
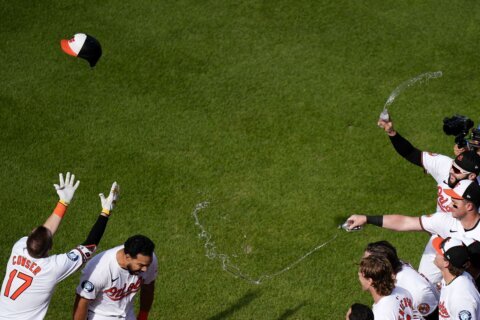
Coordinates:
116 294
26 263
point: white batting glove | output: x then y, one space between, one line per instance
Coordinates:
109 203
66 188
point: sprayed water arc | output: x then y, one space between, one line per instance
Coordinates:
423 78
228 265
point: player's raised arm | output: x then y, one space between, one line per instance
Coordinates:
401 145
70 262
65 190
108 204
393 222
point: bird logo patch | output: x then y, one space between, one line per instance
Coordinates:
464 315
87 286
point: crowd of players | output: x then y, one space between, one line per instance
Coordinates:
109 281
448 278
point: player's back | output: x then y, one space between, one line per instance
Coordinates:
425 296
396 306
29 283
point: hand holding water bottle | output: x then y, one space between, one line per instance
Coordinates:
385 122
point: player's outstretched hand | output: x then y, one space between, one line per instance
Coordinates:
66 188
356 220
108 204
387 126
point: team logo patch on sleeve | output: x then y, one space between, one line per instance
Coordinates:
464 315
72 256
423 308
87 286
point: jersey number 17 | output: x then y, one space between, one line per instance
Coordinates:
22 276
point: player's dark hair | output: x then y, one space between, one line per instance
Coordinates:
139 244
454 270
385 249
39 242
380 270
360 312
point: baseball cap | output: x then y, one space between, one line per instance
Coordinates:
468 161
83 46
473 247
453 250
466 190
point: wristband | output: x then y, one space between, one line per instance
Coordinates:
142 315
60 209
375 220
106 211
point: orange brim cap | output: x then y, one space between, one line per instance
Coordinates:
437 245
453 194
66 48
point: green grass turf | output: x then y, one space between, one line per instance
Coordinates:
265 108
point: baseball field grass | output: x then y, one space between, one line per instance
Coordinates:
265 109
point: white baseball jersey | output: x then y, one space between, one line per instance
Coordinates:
459 300
111 288
29 283
438 166
397 306
424 294
444 225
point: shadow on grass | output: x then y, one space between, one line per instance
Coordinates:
290 312
242 302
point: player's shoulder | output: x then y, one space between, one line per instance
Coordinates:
103 259
434 159
21 243
386 306
401 292
436 156
407 271
20 247
394 298
466 282
473 233
440 215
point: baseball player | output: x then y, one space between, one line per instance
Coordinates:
473 268
111 280
390 303
459 298
446 172
424 294
359 311
462 221
32 274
